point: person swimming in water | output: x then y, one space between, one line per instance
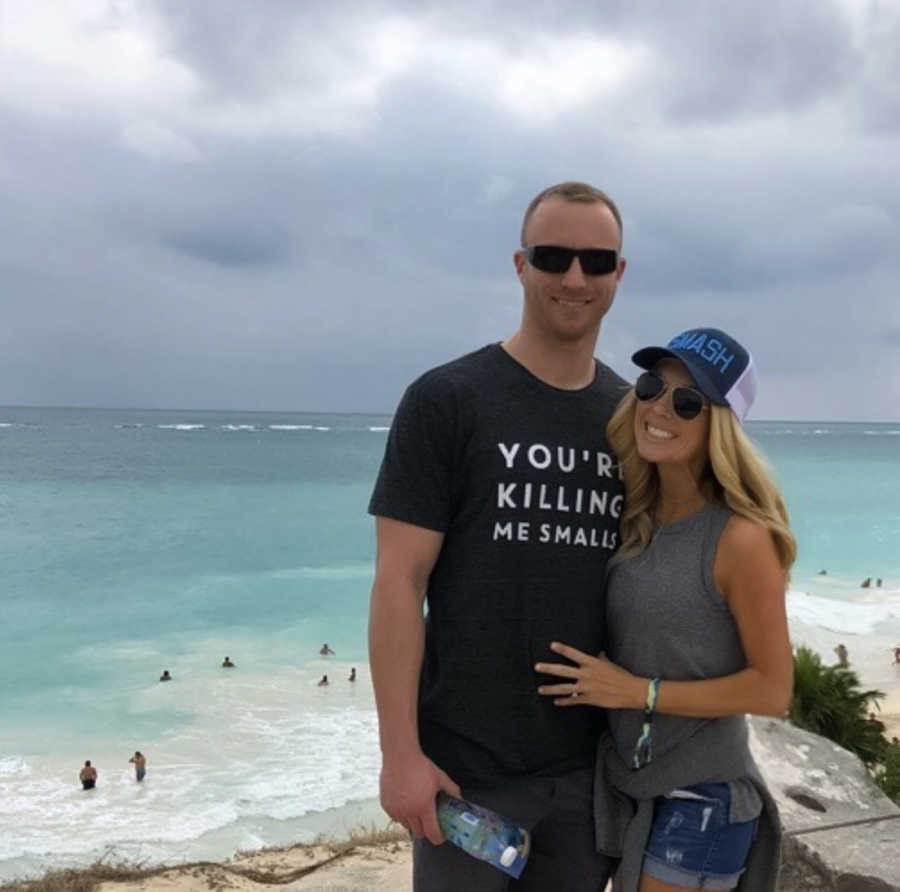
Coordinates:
227 664
325 651
165 676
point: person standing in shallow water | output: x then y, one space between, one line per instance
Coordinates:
88 776
140 765
697 627
464 521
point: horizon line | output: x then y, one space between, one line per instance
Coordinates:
370 412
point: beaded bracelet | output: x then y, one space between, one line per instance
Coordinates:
643 749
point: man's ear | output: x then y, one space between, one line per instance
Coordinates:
519 261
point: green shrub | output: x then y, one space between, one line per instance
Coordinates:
828 701
887 775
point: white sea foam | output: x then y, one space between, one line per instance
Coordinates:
259 746
859 617
14 766
181 427
321 428
352 570
290 427
239 427
379 429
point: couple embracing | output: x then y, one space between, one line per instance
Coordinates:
604 568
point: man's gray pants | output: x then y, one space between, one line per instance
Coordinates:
559 814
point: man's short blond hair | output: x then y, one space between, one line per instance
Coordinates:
576 192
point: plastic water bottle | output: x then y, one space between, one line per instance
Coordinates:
484 834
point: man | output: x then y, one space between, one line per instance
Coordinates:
88 776
498 500
140 765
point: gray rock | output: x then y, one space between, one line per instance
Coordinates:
818 785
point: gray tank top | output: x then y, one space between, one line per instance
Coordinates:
667 619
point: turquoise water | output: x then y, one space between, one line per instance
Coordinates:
842 486
135 541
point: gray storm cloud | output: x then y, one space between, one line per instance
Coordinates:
228 205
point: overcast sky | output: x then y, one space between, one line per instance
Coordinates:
298 205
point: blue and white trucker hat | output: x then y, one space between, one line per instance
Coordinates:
721 368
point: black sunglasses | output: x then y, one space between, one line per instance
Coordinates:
556 259
687 402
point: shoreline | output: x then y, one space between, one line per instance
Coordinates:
379 856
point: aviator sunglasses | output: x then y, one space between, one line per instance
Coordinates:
687 402
556 259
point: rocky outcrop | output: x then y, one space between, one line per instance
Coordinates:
842 832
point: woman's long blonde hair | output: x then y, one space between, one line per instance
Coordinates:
739 476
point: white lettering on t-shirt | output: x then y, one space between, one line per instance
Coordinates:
509 453
590 537
598 502
542 498
545 456
540 457
557 497
604 464
601 504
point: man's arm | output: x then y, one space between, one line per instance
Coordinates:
410 781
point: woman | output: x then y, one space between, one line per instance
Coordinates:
697 630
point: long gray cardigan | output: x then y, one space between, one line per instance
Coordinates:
623 799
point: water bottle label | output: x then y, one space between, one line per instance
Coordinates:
484 834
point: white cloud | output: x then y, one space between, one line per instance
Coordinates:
61 59
112 58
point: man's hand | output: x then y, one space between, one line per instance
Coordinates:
409 786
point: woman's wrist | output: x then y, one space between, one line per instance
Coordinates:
639 692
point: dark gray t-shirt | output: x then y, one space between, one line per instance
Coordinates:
520 479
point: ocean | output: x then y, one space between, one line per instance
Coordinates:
135 541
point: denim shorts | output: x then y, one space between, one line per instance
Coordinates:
692 843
